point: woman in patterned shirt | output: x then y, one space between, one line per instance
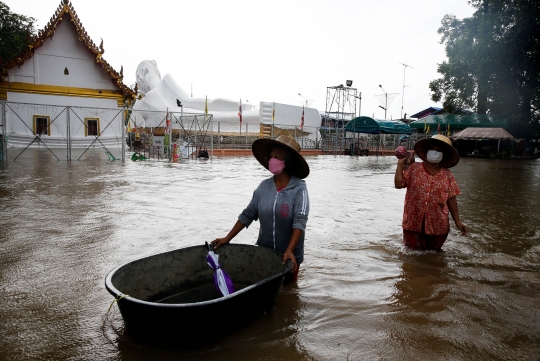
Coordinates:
431 194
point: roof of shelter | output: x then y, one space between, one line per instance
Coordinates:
430 110
483 133
460 121
376 126
66 8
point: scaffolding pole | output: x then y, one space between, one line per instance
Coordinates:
341 103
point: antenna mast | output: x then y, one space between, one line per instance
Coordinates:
405 66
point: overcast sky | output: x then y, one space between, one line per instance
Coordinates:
273 50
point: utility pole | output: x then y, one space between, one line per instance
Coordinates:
386 99
405 66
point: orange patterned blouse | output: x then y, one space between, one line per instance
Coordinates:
426 199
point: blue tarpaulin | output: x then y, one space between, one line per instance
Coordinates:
377 126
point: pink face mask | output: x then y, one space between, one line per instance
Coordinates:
276 166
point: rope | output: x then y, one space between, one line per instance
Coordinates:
117 299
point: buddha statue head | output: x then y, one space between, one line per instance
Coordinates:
148 76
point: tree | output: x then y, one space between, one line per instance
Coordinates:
493 63
458 86
15 33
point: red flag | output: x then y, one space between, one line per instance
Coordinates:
302 122
167 121
240 112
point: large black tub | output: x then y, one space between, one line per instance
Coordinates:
170 299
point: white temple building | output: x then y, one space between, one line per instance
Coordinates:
62 67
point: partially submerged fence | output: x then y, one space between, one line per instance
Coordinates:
85 133
172 135
368 144
61 132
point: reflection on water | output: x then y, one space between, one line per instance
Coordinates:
361 295
422 285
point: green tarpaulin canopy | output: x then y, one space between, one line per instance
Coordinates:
377 126
458 122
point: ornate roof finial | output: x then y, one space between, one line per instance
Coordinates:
101 47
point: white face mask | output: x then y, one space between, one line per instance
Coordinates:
434 157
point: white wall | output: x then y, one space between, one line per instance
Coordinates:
63 51
61 100
20 120
291 115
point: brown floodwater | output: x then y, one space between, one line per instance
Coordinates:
360 296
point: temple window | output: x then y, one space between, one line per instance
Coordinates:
91 127
41 125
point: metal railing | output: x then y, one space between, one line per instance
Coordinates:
163 136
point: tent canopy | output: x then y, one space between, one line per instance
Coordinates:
377 126
458 122
483 133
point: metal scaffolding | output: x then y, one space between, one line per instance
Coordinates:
341 104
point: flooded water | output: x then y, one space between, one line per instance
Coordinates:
360 296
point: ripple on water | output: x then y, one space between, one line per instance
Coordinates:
361 294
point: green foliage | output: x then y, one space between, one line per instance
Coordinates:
457 86
493 63
15 33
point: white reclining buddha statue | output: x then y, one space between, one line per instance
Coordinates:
165 94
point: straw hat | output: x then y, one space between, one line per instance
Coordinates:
297 165
450 157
